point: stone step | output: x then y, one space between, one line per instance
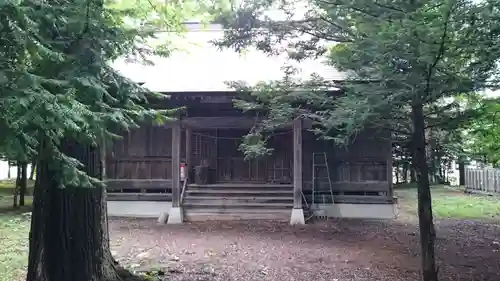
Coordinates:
238 202
190 190
237 213
241 185
225 201
242 196
254 189
234 204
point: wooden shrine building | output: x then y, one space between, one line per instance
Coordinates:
193 169
196 164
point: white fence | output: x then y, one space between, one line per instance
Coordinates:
485 180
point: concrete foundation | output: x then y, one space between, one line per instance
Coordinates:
365 211
164 212
138 209
297 217
175 216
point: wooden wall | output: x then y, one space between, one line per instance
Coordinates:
362 166
142 159
142 153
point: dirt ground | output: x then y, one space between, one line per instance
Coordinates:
333 250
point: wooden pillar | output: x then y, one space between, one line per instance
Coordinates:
216 152
189 152
390 168
175 215
176 162
297 212
297 164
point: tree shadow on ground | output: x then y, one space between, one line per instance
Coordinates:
9 210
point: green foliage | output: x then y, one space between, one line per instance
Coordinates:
452 204
55 83
254 146
401 60
483 133
395 54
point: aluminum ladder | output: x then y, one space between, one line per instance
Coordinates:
319 164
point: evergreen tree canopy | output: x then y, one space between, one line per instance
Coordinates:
395 54
55 82
401 60
483 132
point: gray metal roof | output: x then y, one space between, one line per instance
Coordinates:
200 66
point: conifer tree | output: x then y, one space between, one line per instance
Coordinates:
400 57
60 102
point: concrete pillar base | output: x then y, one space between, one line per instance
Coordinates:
297 217
175 216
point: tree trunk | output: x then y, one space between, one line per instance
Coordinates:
461 173
405 172
397 173
8 169
441 174
432 166
413 172
23 182
33 169
69 237
17 186
426 225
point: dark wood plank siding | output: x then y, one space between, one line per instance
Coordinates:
360 167
142 153
145 153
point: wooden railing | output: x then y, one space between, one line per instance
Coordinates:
183 191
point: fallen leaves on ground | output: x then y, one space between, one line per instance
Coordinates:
342 250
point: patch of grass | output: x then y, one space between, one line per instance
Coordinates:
452 204
405 185
14 231
7 186
7 183
6 199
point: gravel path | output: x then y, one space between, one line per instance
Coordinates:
333 250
